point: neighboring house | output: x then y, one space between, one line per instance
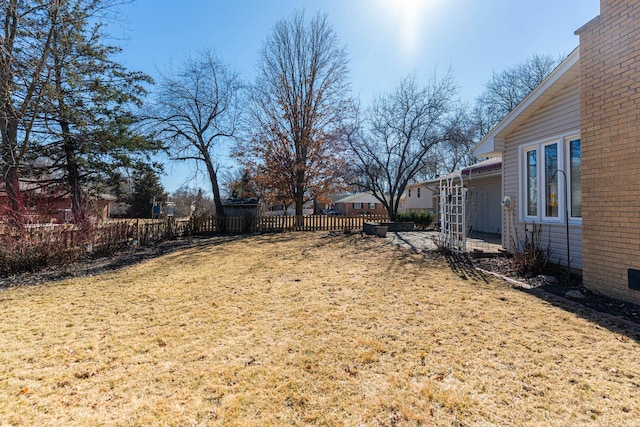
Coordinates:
360 204
280 209
583 120
422 196
46 205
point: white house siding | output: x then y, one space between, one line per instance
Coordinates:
412 203
558 117
485 195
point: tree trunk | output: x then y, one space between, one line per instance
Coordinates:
392 213
73 176
68 142
213 177
10 173
299 197
14 197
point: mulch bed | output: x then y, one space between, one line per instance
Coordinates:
555 281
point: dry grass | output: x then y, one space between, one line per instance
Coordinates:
300 329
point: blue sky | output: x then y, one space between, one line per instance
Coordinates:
385 39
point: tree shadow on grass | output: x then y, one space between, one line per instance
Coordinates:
179 248
462 265
625 329
408 242
619 317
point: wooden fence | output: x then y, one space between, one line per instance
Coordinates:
143 232
269 224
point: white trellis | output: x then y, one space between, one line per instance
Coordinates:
453 219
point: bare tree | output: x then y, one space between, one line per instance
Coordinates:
299 105
25 41
506 89
197 111
456 151
192 202
400 132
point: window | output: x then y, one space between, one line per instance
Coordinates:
551 180
532 183
575 178
409 193
373 205
543 168
418 193
357 206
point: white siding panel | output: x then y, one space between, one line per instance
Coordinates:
485 194
559 117
422 203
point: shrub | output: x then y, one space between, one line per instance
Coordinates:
421 219
38 247
24 250
441 244
530 255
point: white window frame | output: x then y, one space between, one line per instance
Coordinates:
358 206
524 194
564 159
373 205
542 183
567 150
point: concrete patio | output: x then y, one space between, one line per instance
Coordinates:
419 241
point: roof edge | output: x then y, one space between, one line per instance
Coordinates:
587 25
491 143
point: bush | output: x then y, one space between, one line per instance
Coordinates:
23 250
529 254
441 244
421 219
38 247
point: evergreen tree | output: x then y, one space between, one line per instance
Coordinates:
147 189
89 105
241 185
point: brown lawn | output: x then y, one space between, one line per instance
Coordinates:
306 329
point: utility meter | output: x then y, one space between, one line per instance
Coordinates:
506 202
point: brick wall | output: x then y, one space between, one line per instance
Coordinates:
610 132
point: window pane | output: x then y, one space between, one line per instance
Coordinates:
532 183
576 178
551 179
